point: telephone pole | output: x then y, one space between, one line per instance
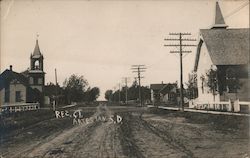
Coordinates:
126 88
119 93
54 107
180 51
139 69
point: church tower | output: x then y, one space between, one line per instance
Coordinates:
36 73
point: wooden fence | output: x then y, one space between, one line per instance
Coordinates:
236 106
241 106
19 107
216 106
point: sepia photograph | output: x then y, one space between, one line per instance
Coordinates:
124 79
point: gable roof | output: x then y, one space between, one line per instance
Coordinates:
225 46
163 88
157 86
9 75
169 88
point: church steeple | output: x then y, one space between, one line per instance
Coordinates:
37 49
36 58
36 74
37 53
219 19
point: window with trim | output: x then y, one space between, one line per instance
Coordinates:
31 80
231 80
7 95
35 80
40 81
36 65
18 96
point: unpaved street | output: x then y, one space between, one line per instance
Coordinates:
142 132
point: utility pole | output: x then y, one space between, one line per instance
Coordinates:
139 69
126 88
54 107
180 51
113 94
119 93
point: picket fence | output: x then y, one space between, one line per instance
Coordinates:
19 107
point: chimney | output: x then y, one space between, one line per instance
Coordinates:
162 82
10 67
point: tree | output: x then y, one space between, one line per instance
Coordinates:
93 94
212 81
108 95
192 88
75 86
131 91
146 94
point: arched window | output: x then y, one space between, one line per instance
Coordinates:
37 64
31 80
40 81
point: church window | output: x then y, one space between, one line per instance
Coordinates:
7 95
36 64
18 96
35 81
40 81
31 80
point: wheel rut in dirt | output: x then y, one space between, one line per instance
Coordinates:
153 142
166 136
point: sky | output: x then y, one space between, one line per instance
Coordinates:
102 39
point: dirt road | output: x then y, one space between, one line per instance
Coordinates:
140 133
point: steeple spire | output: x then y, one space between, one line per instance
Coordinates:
219 19
37 52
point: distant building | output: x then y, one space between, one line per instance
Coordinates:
164 93
225 51
25 87
54 93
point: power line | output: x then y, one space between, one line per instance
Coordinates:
180 51
139 69
236 10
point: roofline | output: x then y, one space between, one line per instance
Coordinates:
198 51
226 29
166 86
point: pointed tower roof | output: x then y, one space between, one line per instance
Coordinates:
219 19
37 53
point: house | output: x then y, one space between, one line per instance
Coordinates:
164 93
221 63
24 87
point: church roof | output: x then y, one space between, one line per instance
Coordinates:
8 75
226 46
37 53
219 19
